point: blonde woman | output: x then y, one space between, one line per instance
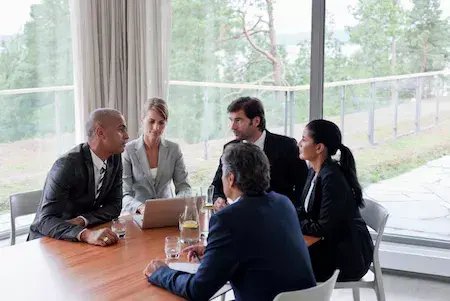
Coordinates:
151 162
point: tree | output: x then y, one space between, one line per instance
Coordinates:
380 27
39 56
16 115
221 41
427 37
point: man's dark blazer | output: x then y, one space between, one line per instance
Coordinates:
256 244
288 172
69 192
334 216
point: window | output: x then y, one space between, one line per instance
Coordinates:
222 50
386 85
36 99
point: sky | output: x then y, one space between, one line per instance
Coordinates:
13 15
291 16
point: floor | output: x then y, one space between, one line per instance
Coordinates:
398 288
403 288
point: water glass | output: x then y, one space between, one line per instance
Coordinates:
119 226
172 247
207 198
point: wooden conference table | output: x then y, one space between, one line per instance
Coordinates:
50 269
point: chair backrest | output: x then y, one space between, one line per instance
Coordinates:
375 216
321 292
22 204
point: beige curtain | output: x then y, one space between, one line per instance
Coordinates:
110 51
160 33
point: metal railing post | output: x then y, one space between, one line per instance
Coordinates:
396 108
286 111
58 123
418 104
372 113
438 98
291 115
342 111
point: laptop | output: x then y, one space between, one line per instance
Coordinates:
163 212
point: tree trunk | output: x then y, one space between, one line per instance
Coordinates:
273 44
424 58
273 51
394 69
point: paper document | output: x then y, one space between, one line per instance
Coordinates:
192 269
184 267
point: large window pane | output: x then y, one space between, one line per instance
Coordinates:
36 99
263 43
397 121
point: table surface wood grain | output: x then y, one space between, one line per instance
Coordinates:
49 269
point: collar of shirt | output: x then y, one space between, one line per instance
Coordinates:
230 201
260 142
98 163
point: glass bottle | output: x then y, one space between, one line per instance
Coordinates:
207 211
189 222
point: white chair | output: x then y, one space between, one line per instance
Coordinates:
375 217
22 204
321 292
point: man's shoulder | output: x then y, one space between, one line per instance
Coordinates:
66 165
280 138
235 214
73 155
274 199
232 142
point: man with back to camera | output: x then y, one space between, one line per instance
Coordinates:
249 244
288 172
84 186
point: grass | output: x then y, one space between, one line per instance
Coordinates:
27 184
23 164
404 154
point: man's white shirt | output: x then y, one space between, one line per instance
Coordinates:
98 165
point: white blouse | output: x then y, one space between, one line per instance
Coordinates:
153 172
308 196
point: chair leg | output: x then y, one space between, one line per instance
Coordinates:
379 291
356 296
379 286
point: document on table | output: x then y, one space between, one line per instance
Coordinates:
192 269
184 267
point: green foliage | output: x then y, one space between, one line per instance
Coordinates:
381 23
40 56
208 45
427 38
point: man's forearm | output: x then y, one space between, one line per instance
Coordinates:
104 214
58 228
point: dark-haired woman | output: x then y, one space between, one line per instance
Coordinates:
330 206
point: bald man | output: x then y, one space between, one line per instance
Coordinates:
84 186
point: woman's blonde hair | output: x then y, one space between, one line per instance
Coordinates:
158 105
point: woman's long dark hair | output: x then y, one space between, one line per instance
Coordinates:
328 133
